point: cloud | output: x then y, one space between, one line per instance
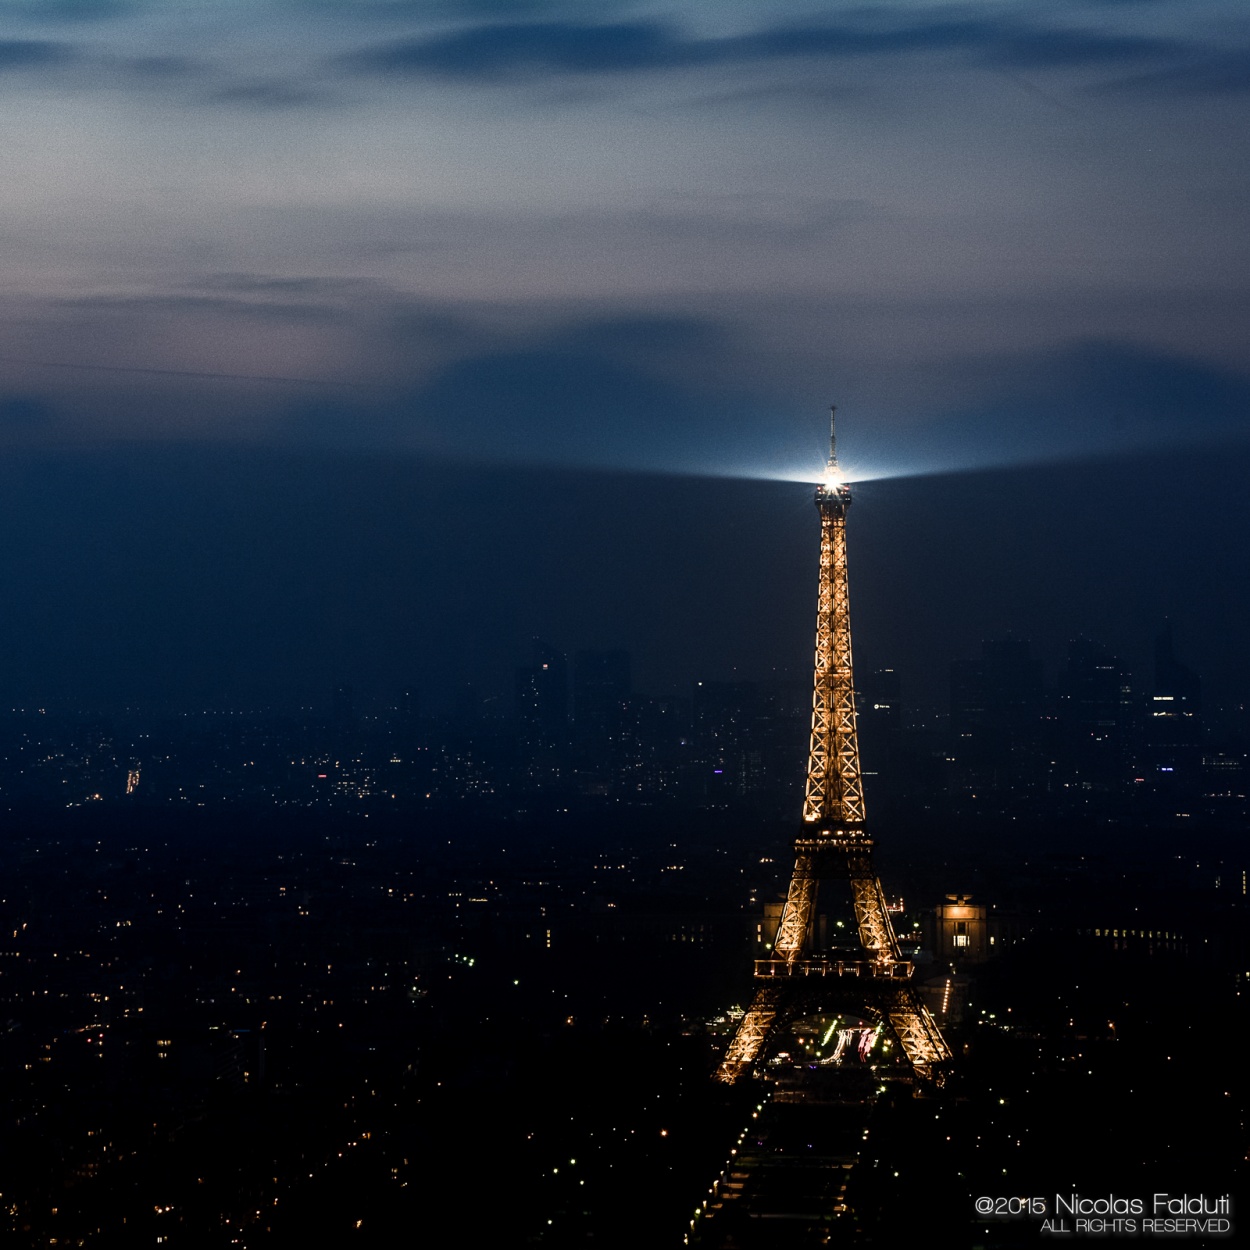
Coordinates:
996 41
1087 399
268 284
157 68
407 10
33 53
272 94
508 49
174 306
599 392
66 10
502 50
502 42
365 367
1205 76
1163 392
643 337
1044 48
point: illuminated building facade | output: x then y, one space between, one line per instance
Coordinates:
961 931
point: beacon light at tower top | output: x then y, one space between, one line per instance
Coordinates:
835 477
832 481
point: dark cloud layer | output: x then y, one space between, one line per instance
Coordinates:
607 392
648 391
33 53
407 10
66 10
1201 76
592 393
1088 399
498 50
501 43
271 94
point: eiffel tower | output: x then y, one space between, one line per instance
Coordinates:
797 981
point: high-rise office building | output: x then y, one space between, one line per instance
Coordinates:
1175 714
542 694
602 685
1096 716
996 720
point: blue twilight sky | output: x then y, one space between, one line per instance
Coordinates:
363 341
631 235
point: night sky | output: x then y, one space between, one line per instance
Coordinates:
363 341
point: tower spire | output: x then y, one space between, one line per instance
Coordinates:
833 437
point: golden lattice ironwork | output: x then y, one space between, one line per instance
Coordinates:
835 789
833 845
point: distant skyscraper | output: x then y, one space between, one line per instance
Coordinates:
602 684
343 709
996 719
542 694
880 701
1096 716
879 714
724 711
726 722
999 694
1172 753
409 705
1175 717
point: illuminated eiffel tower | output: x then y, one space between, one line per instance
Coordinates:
832 845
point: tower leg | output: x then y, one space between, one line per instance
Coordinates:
876 933
918 1035
796 916
753 1030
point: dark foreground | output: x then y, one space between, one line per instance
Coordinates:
214 1040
